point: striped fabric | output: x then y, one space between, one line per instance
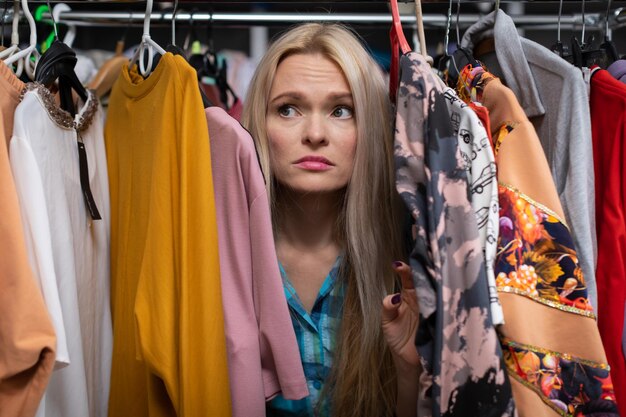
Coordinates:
315 333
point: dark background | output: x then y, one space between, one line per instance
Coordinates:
237 35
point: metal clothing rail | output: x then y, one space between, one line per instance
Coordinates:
98 18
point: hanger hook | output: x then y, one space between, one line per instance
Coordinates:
54 22
558 23
4 14
582 40
497 5
606 21
458 14
174 22
447 38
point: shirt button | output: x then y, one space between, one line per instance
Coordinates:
317 384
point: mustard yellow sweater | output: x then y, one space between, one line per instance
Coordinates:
169 354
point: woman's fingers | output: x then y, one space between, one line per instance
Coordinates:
391 303
404 271
409 295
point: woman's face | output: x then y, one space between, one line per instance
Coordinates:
311 125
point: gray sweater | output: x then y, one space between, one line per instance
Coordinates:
554 96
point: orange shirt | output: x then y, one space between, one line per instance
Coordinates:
27 339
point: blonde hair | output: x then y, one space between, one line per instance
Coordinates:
362 380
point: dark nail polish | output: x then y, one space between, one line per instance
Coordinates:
396 299
397 264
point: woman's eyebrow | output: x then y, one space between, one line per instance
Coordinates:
288 94
293 95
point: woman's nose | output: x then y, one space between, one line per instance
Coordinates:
315 131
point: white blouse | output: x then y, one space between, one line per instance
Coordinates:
69 252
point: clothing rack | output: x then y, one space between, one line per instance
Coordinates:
594 21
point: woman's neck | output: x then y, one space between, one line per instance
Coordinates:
307 221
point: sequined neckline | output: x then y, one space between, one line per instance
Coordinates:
60 117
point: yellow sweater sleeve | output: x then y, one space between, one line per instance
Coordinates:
178 306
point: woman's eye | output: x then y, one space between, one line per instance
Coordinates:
342 112
286 111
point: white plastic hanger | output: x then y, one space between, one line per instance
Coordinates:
15 39
71 32
147 44
25 54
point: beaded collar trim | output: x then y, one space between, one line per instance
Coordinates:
60 117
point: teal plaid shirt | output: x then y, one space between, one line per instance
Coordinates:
315 333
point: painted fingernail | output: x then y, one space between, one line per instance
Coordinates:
397 264
396 299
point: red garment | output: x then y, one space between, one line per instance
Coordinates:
483 115
608 124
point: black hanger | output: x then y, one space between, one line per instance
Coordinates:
608 45
461 57
559 48
583 55
58 63
208 65
177 50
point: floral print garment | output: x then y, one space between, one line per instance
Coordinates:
536 255
536 259
464 373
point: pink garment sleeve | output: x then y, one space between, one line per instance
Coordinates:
263 355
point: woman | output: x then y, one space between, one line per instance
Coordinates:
318 110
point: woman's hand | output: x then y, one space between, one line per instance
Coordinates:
400 318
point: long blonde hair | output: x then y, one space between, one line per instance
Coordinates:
362 380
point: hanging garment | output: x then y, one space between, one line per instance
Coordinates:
67 247
550 340
554 97
480 169
463 370
618 70
263 356
27 338
169 354
608 122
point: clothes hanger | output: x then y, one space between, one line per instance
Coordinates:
15 39
23 58
14 42
462 56
398 41
453 72
177 50
70 35
147 45
57 64
559 48
582 53
172 47
419 20
208 65
608 46
4 15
